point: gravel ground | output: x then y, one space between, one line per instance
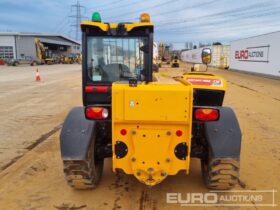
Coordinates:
31 175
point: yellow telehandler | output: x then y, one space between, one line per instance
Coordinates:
148 128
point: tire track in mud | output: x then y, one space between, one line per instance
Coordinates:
245 87
33 145
146 201
120 186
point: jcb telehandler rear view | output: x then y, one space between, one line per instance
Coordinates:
150 129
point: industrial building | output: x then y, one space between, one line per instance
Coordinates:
19 45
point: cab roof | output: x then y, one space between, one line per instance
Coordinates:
105 26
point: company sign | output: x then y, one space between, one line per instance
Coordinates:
226 198
253 54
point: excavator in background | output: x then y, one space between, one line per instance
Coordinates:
40 50
41 53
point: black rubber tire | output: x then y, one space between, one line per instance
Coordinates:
84 174
220 174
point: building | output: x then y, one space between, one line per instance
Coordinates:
258 54
18 45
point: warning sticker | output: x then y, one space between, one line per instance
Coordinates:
206 82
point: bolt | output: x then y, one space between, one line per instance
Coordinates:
163 173
168 133
133 132
150 170
167 160
138 173
133 159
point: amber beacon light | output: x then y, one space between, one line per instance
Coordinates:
145 17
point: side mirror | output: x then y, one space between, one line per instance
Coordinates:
206 56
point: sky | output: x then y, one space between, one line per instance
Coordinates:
176 21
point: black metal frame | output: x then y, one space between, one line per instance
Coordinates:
120 32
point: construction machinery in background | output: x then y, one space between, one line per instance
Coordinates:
175 61
66 59
40 50
77 58
41 53
55 59
149 128
164 54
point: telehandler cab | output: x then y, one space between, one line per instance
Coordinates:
149 128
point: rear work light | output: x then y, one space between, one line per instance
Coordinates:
206 114
97 113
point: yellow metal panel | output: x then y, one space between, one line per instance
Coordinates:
151 126
152 103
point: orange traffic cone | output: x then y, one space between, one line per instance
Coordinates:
38 78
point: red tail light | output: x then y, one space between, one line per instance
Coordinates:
206 114
98 113
98 89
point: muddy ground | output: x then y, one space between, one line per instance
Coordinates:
32 112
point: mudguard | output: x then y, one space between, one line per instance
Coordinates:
224 136
76 135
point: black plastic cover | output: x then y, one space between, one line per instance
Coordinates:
76 135
205 97
224 136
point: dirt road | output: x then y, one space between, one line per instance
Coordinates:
29 109
35 181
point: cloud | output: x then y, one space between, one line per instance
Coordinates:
175 21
